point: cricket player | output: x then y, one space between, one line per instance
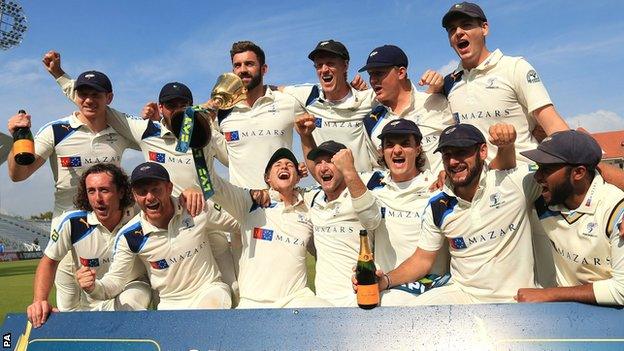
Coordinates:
170 243
158 144
582 216
489 87
258 125
341 110
335 225
483 214
275 239
104 202
338 108
391 203
63 142
397 97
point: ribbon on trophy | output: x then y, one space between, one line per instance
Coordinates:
188 122
228 91
202 173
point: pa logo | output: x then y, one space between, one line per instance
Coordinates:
6 341
591 226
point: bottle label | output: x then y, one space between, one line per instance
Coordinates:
23 146
368 294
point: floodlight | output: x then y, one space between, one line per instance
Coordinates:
12 24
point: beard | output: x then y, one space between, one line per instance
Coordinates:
560 192
473 174
254 82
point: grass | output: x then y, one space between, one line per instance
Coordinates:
16 281
16 285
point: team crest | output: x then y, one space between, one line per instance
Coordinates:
491 83
495 200
532 77
590 228
54 236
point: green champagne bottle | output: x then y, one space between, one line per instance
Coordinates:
23 145
368 289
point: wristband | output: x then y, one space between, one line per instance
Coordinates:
387 278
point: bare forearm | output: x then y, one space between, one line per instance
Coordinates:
415 267
355 185
44 278
612 175
307 145
550 120
505 158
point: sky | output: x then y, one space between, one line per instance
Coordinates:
576 47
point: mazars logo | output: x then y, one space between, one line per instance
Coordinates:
89 76
324 43
373 54
450 130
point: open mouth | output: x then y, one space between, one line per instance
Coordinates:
327 78
458 169
462 44
327 177
152 207
284 175
398 160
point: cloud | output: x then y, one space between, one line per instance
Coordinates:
448 68
597 121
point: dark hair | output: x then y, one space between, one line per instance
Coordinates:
120 179
246 45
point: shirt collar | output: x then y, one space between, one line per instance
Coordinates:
354 100
269 95
490 61
74 121
150 228
128 214
448 186
590 201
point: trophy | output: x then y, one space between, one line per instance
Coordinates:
192 125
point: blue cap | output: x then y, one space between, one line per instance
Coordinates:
175 90
329 147
401 126
567 147
95 80
385 56
463 9
460 135
149 170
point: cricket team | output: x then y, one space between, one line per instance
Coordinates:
473 191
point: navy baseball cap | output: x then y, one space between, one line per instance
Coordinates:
385 56
330 46
329 147
568 147
460 135
463 9
401 126
149 170
175 90
95 80
280 154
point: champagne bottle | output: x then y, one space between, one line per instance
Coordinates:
368 289
23 145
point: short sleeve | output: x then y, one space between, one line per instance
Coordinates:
530 89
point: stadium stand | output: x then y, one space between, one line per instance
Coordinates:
18 234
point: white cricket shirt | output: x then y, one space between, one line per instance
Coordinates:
489 238
502 89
